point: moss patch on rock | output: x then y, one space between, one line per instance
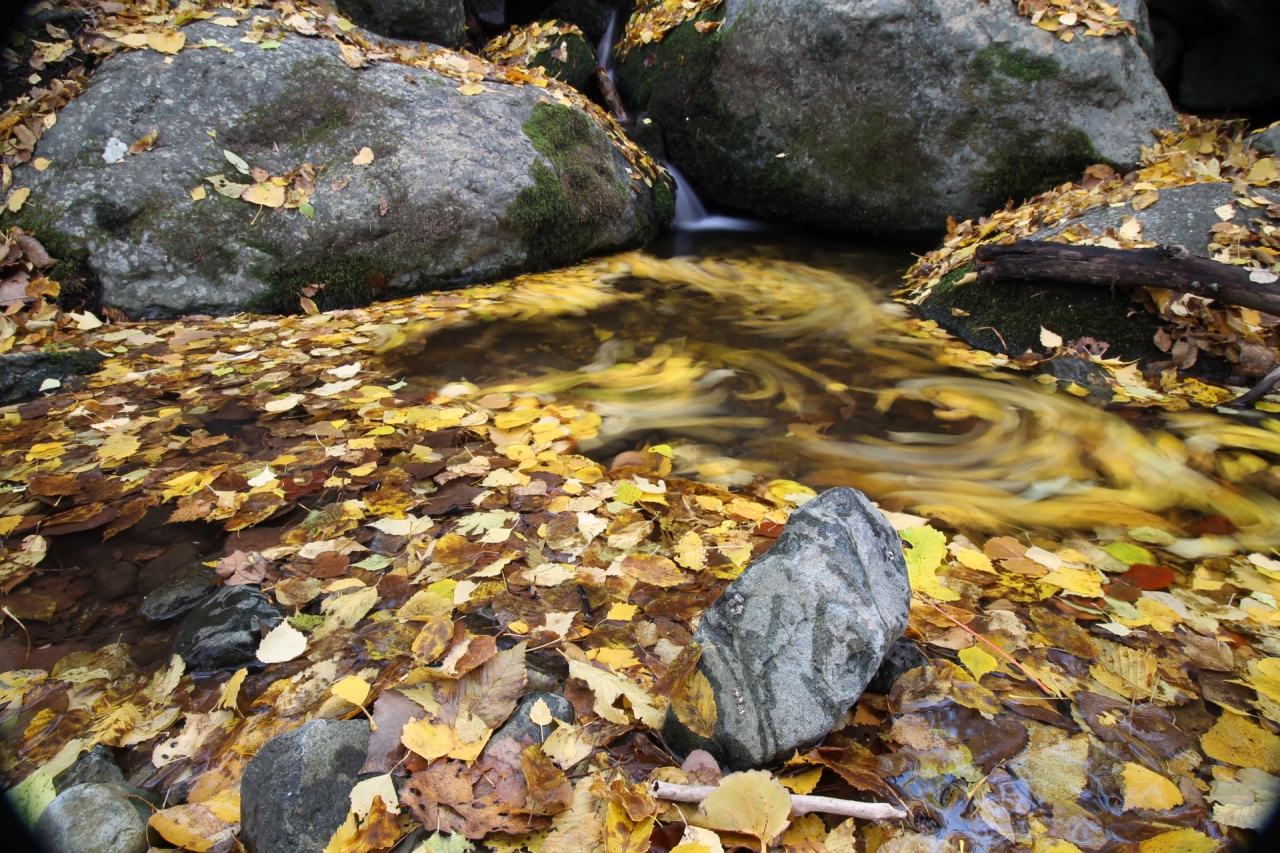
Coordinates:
320 100
578 67
1023 165
1006 318
1013 62
565 212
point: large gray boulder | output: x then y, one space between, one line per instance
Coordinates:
296 790
94 818
461 189
791 644
886 116
440 22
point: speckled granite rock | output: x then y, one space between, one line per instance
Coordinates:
791 644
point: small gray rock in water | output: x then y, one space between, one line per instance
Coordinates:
296 790
93 818
97 765
180 593
520 727
224 630
792 643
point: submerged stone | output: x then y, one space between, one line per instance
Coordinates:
22 373
791 644
224 630
180 593
94 818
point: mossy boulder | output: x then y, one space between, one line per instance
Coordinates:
439 206
886 116
570 59
440 22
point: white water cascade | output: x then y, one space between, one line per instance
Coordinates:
604 50
691 213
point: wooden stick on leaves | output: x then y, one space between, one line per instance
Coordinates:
800 804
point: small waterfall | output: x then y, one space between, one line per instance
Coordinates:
604 50
691 213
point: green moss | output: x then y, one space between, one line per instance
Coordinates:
1013 62
579 66
79 282
1020 166
1006 317
319 100
565 212
349 282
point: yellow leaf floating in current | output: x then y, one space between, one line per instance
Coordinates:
1144 789
928 547
752 803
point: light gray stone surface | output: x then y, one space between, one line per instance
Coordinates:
1181 215
296 790
457 192
891 114
440 22
1268 141
92 818
223 631
793 641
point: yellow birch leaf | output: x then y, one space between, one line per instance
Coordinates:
192 826
471 89
118 447
752 803
1144 789
1240 742
1263 171
283 643
353 688
622 612
691 553
364 157
166 42
1084 582
802 783
975 560
17 198
1180 841
540 713
231 690
622 834
265 194
978 661
40 164
928 547
694 703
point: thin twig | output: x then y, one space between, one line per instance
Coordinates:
800 804
1010 658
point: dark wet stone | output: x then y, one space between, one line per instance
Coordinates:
22 373
902 656
793 641
157 572
296 790
521 728
224 630
440 22
180 593
97 765
94 818
115 580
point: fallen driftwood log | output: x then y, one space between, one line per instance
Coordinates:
1170 267
800 804
611 96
